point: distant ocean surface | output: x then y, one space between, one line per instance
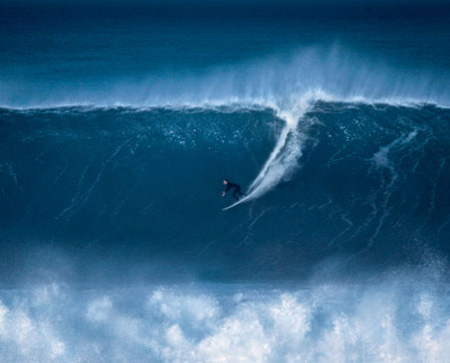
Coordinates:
118 124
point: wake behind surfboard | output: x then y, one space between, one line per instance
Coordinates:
281 161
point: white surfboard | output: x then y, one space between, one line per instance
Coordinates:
236 203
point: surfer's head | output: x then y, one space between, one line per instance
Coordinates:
225 181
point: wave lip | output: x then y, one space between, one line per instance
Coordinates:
315 72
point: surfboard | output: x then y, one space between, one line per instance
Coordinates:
236 203
231 206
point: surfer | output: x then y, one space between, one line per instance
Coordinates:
237 189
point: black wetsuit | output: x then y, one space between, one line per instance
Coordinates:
237 190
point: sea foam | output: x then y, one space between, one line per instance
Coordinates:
397 319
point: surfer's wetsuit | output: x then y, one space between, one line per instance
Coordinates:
237 190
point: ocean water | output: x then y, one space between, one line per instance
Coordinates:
118 124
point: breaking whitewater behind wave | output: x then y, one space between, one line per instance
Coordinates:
115 246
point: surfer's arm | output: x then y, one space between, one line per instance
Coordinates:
226 189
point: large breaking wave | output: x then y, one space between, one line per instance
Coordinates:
345 160
289 85
146 184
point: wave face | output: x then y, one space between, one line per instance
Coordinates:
118 124
367 181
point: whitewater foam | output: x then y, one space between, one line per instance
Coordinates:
395 320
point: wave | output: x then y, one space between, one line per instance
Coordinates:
291 89
283 160
296 124
288 85
346 179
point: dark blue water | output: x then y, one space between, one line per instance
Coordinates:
118 124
